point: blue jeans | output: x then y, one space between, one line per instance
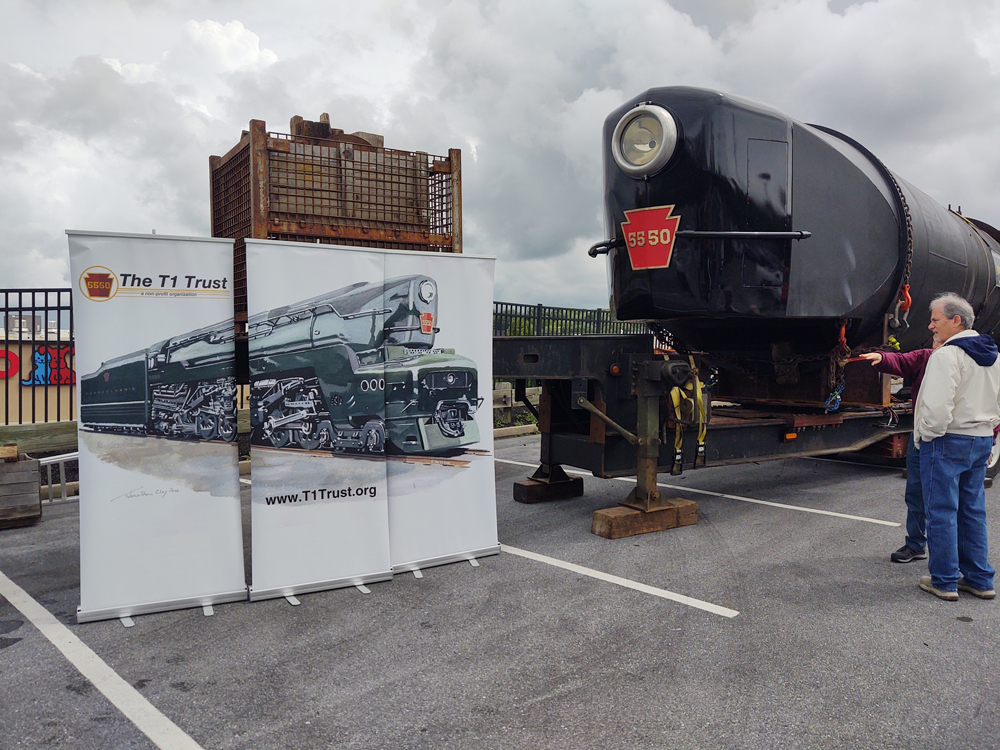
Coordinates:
916 536
952 471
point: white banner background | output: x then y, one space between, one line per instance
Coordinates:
313 542
427 512
441 513
160 520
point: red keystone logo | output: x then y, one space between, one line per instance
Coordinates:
98 284
649 236
426 322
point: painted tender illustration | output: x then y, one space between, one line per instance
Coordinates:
183 387
355 370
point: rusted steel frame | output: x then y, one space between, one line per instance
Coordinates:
455 156
259 203
231 153
357 233
648 389
646 495
214 162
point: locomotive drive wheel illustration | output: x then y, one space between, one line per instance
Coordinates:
207 426
373 437
279 436
309 437
227 429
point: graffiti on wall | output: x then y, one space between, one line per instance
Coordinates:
50 365
10 362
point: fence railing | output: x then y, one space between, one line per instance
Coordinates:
37 358
513 319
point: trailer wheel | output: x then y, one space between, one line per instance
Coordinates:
993 462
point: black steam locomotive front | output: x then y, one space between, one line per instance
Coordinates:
744 232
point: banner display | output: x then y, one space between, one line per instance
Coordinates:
439 393
160 521
370 447
319 505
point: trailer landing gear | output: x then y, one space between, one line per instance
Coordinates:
549 482
645 509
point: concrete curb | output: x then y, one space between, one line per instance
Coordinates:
515 431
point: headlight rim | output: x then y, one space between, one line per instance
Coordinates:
668 145
428 297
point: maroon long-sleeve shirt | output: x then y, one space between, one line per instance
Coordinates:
909 365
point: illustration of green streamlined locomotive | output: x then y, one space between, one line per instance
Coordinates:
182 387
356 370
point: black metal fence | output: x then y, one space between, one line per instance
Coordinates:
512 319
37 356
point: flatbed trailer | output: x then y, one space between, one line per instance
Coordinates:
606 407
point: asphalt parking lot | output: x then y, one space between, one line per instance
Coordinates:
832 647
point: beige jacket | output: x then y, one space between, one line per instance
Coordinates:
957 396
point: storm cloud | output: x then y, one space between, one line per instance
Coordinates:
110 110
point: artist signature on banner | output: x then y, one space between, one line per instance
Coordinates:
143 492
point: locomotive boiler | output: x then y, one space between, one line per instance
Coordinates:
356 370
765 254
775 246
183 387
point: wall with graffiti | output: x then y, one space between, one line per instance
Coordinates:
37 381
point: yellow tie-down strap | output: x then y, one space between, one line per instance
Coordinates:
695 403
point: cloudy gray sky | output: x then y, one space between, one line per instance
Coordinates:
109 110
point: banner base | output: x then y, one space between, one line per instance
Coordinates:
308 588
416 565
92 615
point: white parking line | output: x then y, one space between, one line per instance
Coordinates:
161 731
722 494
715 609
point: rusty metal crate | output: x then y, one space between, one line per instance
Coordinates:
318 184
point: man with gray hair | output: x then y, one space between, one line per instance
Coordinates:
956 411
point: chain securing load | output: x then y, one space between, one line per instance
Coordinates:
903 301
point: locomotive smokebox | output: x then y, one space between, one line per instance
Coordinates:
750 235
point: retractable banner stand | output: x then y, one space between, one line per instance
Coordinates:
319 505
159 476
439 407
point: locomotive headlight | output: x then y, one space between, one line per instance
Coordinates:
427 290
644 140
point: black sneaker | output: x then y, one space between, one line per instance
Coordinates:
907 554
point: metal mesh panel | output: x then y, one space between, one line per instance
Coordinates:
358 195
240 276
231 208
385 244
332 192
232 216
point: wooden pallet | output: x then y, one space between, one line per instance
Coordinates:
20 502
